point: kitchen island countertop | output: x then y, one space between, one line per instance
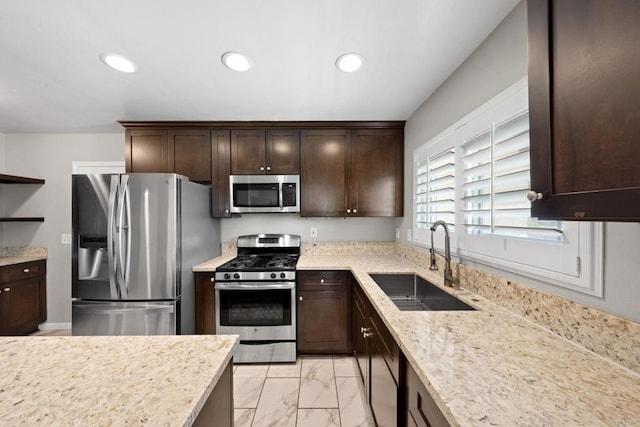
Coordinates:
490 366
99 381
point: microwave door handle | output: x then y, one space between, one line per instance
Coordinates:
111 237
281 196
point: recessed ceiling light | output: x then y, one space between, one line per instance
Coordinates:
349 62
118 62
236 61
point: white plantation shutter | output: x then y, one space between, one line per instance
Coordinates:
475 176
435 190
496 181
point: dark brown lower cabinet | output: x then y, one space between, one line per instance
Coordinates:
218 409
205 303
323 312
380 362
422 411
23 297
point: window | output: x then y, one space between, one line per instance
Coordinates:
475 177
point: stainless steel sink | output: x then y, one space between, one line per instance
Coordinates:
410 292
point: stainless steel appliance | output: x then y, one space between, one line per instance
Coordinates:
264 193
136 238
255 298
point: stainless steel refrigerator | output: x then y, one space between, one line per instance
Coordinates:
136 238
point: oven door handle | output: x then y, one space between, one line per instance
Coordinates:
253 286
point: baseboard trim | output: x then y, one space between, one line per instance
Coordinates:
47 326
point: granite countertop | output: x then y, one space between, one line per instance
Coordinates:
11 260
18 255
100 381
490 366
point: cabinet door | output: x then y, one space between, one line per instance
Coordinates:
323 172
283 152
323 313
221 164
360 324
422 409
22 305
205 304
584 97
375 173
384 390
192 154
147 150
248 152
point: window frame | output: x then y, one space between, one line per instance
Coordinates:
575 264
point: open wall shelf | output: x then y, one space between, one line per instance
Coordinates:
13 179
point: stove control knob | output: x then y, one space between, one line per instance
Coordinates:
273 275
283 275
227 276
236 275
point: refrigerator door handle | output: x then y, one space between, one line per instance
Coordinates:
122 229
127 233
111 237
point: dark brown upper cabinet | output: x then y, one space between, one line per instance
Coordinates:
354 173
183 151
323 172
257 152
221 164
191 151
584 99
147 150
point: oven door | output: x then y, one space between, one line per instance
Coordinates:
257 311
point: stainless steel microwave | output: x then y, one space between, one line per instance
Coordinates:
264 193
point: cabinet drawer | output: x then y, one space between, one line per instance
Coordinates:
322 280
25 270
423 410
389 349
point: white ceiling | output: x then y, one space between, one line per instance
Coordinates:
52 81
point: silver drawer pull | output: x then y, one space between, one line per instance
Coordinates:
26 270
321 280
7 289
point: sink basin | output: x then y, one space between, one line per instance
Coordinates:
410 292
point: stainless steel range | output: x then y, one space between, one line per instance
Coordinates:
255 298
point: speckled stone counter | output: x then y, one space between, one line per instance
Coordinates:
17 255
106 381
490 366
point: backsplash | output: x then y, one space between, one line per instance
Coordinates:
348 248
605 334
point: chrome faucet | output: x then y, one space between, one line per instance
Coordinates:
448 273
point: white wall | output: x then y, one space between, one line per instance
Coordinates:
500 61
50 157
329 229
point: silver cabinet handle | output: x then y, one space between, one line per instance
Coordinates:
300 298
321 280
367 334
7 289
261 168
212 280
348 210
532 196
26 270
268 168
355 211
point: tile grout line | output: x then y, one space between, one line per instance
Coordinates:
335 380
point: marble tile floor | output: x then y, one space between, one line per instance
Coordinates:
313 392
322 391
